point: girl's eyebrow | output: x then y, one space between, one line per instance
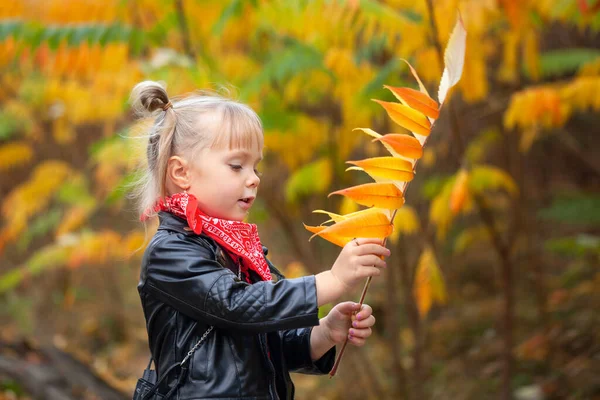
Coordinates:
244 153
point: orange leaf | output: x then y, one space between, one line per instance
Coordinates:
372 224
459 191
387 167
414 73
330 237
383 195
404 145
429 285
417 100
407 117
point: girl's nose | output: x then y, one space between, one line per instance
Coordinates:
253 180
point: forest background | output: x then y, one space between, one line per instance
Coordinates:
493 286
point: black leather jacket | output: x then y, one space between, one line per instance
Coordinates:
261 330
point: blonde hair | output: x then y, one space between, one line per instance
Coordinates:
183 128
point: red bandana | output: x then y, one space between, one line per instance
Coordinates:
238 239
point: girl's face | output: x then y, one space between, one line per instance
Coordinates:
225 181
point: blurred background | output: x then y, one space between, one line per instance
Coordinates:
493 288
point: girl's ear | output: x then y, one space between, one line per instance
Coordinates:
178 172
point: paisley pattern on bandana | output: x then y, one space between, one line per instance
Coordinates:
239 239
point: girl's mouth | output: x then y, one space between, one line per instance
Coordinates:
246 202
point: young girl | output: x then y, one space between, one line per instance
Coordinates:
205 281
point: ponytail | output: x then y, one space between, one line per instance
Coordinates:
147 98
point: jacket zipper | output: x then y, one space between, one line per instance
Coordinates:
272 389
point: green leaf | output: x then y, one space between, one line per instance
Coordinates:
33 34
434 185
294 59
11 125
275 117
565 61
79 34
371 50
575 246
136 42
575 209
40 226
51 256
384 76
232 10
52 36
10 28
124 186
382 11
75 192
311 178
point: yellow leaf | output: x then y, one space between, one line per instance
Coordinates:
14 154
374 223
386 167
405 222
429 282
333 216
340 217
376 135
330 237
383 195
486 177
407 117
459 191
417 100
348 206
454 59
439 212
470 236
74 219
403 145
369 132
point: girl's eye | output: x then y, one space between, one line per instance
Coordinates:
235 167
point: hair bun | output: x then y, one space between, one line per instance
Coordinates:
147 97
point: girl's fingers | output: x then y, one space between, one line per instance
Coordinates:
360 333
365 272
361 241
373 249
356 341
365 311
371 260
364 323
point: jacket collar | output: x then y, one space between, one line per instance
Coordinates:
168 221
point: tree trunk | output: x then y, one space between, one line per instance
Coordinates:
399 389
410 309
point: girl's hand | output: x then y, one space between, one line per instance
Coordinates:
359 259
341 323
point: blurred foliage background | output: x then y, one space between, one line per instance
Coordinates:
503 215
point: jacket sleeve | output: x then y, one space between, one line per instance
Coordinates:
184 274
296 352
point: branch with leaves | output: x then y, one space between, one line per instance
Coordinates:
417 112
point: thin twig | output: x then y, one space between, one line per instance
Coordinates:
339 357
